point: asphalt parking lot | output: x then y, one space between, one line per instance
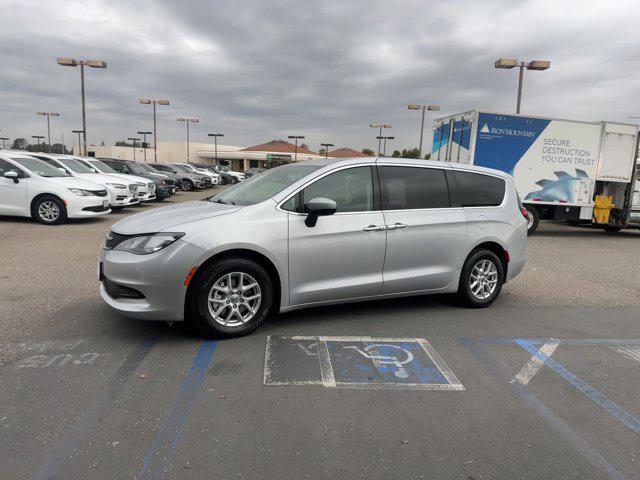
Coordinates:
544 384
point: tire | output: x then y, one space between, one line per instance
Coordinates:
201 311
223 181
533 219
476 259
611 229
45 208
187 185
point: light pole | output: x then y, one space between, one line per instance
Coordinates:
215 142
38 137
3 140
384 148
70 62
512 63
79 132
424 108
188 121
48 114
326 148
134 140
144 143
295 138
380 126
147 101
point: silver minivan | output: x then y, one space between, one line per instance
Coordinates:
316 233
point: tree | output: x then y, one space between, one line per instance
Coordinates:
396 154
427 156
367 151
19 144
321 151
122 143
413 153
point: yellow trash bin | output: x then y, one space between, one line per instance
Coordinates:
602 208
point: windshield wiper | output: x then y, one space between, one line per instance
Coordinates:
224 202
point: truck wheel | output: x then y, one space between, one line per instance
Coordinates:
612 229
533 218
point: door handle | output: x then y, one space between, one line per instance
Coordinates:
397 226
373 228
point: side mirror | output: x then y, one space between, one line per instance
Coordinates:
12 175
319 207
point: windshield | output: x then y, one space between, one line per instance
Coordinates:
75 165
40 168
135 168
164 168
101 166
182 168
261 187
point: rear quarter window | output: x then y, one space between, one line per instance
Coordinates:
480 190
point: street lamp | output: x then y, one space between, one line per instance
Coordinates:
3 140
147 101
413 106
379 137
384 148
295 138
215 142
144 143
134 140
70 62
326 148
38 137
512 63
49 114
188 121
79 132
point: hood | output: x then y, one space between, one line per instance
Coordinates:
75 182
165 218
102 178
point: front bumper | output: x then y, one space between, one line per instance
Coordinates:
123 197
165 191
83 207
159 277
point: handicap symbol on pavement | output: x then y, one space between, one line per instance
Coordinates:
382 360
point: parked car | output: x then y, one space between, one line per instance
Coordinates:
32 188
164 186
315 233
211 179
146 188
254 171
226 175
189 180
176 179
121 193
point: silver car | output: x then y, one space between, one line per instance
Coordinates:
316 233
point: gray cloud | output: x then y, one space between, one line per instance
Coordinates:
261 70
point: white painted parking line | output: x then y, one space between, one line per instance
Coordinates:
629 352
535 363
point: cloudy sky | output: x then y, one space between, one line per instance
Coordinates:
258 70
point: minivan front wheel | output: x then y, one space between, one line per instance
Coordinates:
234 296
481 279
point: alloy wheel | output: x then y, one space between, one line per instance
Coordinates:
234 299
483 279
49 211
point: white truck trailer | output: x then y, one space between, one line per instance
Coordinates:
562 168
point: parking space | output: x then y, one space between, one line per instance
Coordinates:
543 384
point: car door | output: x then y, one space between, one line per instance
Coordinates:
13 196
426 236
342 256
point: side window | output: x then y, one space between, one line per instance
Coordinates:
7 167
120 167
478 190
293 204
406 188
351 189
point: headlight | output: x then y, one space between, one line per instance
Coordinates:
115 185
145 244
81 192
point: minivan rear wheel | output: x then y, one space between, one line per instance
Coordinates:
481 279
233 297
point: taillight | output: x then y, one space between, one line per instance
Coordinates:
525 214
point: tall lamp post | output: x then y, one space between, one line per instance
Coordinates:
147 101
48 114
188 121
38 138
384 148
4 139
326 148
70 62
133 140
144 143
380 126
512 63
424 108
215 143
79 132
295 151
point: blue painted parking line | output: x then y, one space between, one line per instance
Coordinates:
158 460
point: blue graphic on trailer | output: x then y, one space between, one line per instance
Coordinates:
384 363
461 136
558 190
502 140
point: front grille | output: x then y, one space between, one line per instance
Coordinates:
99 208
99 193
120 291
133 188
114 239
151 187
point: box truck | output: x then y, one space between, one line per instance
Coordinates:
581 172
